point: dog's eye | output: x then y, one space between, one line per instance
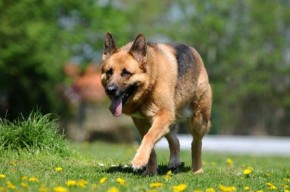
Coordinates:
109 73
126 73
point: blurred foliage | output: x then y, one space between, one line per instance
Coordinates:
245 46
37 38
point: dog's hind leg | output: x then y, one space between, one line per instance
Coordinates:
151 168
199 124
143 127
174 147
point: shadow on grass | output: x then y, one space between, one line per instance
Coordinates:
162 169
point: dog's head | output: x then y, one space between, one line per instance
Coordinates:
123 71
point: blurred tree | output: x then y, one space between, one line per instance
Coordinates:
37 37
245 45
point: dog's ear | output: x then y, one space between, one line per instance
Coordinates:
139 49
109 46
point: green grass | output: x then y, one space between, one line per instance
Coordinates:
36 133
40 166
89 163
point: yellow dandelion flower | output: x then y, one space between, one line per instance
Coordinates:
113 189
24 185
247 188
2 189
43 189
156 185
24 178
71 183
247 172
10 185
168 175
82 183
286 190
2 176
33 179
197 190
227 188
103 180
60 189
271 186
121 181
230 162
210 190
58 169
260 191
285 186
179 188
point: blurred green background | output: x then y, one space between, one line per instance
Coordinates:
50 53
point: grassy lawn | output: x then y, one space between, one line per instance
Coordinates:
102 167
34 157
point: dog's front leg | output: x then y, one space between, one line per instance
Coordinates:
159 128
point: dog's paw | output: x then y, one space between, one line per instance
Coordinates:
199 171
150 172
175 165
137 168
139 162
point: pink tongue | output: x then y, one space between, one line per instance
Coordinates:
116 106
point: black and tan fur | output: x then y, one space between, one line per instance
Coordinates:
153 83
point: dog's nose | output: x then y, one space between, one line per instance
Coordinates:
111 89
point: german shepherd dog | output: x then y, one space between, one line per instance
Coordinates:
153 83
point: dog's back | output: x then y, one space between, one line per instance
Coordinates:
191 79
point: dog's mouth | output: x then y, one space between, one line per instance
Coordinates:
118 101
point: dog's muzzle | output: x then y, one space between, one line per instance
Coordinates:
118 97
